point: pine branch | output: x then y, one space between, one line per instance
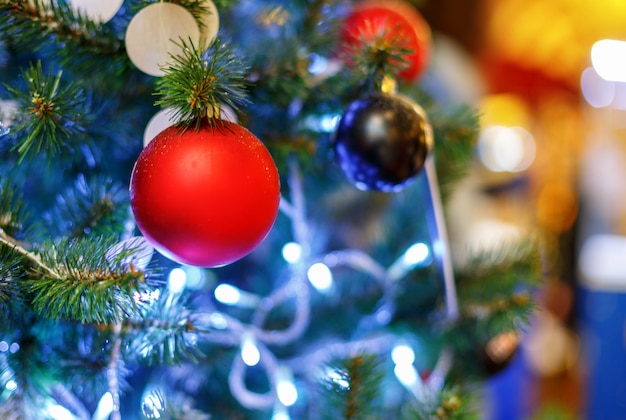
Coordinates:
31 25
164 333
379 53
197 84
353 389
32 259
13 214
455 130
25 379
280 74
52 114
495 293
84 363
506 270
157 405
95 207
224 5
11 303
90 286
447 404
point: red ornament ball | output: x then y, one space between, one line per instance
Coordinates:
396 22
205 197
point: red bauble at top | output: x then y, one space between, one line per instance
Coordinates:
205 197
398 23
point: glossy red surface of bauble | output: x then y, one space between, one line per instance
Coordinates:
205 197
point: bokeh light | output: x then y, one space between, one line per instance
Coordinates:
250 353
320 276
176 280
227 294
608 57
292 252
506 149
597 91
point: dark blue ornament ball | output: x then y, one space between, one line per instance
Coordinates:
382 141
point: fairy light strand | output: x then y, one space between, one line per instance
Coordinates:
232 332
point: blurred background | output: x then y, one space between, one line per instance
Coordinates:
549 80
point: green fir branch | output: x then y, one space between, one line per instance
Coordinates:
94 207
51 113
164 333
379 53
38 369
58 33
224 5
495 296
84 364
30 25
455 131
25 378
495 288
11 270
352 392
13 213
158 405
447 404
479 324
510 314
90 286
280 74
197 84
494 274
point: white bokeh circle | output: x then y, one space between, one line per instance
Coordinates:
100 11
166 118
210 25
159 122
140 257
154 32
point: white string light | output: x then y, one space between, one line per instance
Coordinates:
292 252
58 412
104 407
403 355
176 280
286 390
320 276
280 413
317 273
416 255
228 294
237 385
250 353
11 385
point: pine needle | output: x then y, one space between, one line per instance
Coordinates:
13 214
197 84
353 388
51 113
90 286
163 333
95 207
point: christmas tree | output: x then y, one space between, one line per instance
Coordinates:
296 204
